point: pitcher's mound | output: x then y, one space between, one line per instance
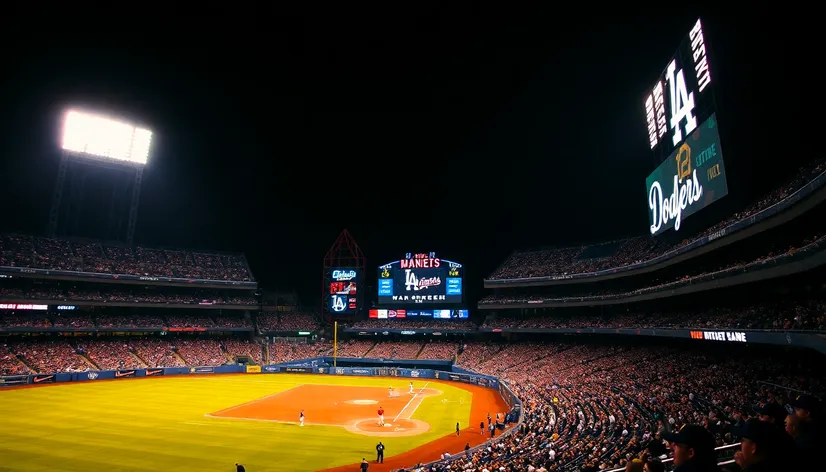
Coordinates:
390 429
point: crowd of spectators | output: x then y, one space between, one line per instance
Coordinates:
597 407
156 353
94 257
122 294
13 320
48 357
10 364
787 315
287 321
354 348
239 347
439 350
288 351
809 245
83 321
617 254
200 352
110 354
393 350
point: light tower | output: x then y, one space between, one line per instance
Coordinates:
93 145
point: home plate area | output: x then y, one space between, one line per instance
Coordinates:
352 408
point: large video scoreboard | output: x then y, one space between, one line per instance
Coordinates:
420 279
683 134
682 97
343 290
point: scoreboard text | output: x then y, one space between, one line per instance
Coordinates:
420 278
681 99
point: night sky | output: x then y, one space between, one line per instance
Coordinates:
465 131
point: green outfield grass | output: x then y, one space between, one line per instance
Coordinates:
159 425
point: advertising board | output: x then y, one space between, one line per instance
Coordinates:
438 314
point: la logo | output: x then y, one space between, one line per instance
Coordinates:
682 102
410 280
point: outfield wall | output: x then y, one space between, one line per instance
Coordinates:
317 366
37 379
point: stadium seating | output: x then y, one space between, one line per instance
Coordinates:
771 256
125 295
592 404
58 254
789 315
292 351
287 321
618 254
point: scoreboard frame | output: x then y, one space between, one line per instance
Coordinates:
683 97
344 290
440 281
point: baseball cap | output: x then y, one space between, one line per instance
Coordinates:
694 436
766 436
773 410
805 402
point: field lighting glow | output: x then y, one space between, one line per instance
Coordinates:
97 135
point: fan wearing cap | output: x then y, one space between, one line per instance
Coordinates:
773 413
693 448
806 407
763 448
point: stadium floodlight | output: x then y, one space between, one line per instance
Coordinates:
100 136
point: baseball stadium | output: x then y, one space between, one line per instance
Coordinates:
695 344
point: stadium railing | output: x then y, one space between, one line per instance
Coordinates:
739 225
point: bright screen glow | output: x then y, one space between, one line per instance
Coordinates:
100 136
15 306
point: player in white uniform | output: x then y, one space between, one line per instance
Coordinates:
411 387
301 419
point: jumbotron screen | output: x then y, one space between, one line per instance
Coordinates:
343 291
682 98
420 278
693 177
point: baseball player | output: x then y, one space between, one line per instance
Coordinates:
411 387
381 416
301 418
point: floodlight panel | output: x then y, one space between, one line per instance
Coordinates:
100 136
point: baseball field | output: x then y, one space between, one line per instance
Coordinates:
210 422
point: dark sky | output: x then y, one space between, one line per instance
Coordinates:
465 131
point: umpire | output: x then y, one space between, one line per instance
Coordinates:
380 453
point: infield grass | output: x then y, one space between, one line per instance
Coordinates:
160 425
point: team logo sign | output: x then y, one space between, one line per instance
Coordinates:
414 283
340 275
339 304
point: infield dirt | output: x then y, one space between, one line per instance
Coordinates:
485 401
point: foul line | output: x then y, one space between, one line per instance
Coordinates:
411 401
